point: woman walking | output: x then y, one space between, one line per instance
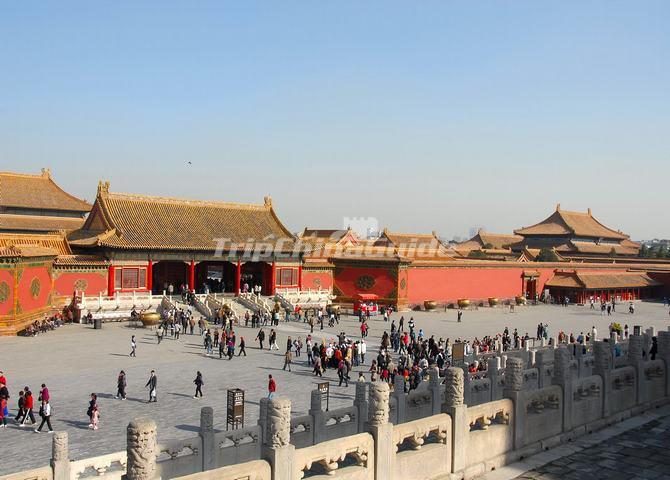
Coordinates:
4 412
45 413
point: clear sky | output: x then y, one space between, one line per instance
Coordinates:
426 115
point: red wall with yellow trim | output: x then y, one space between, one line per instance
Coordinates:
317 279
449 284
6 290
34 288
95 281
384 281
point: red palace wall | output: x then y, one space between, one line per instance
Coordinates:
92 282
313 280
350 281
34 289
6 290
449 284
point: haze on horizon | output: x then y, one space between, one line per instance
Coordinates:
432 116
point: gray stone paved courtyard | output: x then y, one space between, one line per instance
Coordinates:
639 453
77 360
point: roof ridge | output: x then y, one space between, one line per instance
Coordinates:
187 201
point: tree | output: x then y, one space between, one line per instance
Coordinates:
547 255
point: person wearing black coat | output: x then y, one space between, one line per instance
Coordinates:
152 383
198 384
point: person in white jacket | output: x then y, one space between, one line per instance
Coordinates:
45 413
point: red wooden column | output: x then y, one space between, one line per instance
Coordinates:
150 279
110 281
273 278
300 277
238 278
191 276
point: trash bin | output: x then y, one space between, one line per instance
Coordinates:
97 323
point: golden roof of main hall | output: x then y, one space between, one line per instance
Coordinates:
143 222
38 223
38 192
563 222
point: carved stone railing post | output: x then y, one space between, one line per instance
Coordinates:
663 341
401 398
635 358
380 428
361 402
493 374
563 377
455 407
277 449
435 390
60 456
209 460
540 364
513 384
316 412
603 366
142 450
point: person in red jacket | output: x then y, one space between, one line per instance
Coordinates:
272 386
28 405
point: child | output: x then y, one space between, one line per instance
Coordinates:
3 413
95 417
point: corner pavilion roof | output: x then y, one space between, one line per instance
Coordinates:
563 222
142 222
37 192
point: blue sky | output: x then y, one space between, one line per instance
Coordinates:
425 115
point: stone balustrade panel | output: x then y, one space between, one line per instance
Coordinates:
587 400
422 448
254 470
179 457
622 389
350 458
302 431
543 413
42 473
653 381
107 467
237 446
490 431
339 423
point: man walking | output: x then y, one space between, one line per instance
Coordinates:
133 346
199 382
121 385
45 413
152 383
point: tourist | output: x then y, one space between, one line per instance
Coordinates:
230 344
318 370
362 347
133 347
21 403
261 338
199 382
273 339
4 412
44 393
287 360
272 386
342 374
459 315
95 417
152 383
242 345
93 402
29 404
121 386
45 413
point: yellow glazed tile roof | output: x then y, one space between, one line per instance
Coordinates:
37 192
130 221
